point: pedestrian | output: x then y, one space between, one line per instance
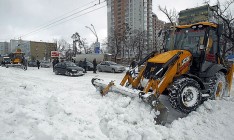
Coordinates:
80 64
94 65
85 65
54 63
133 65
57 61
38 64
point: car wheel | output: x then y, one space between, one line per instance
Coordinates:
56 72
113 70
99 69
67 73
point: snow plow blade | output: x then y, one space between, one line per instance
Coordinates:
104 87
17 66
161 111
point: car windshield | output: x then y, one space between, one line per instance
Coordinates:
7 59
112 63
188 39
45 62
70 64
89 62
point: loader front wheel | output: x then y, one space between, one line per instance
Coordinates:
185 95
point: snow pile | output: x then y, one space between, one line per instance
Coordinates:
38 105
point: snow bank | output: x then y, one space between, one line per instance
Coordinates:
38 105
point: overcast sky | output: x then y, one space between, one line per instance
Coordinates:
27 18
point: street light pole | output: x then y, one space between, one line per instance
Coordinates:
97 44
93 31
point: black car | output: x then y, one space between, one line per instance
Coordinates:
89 65
68 68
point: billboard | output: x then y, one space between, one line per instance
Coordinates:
97 48
54 54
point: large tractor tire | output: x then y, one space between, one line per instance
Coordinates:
185 95
218 86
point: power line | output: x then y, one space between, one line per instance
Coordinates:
41 26
78 16
72 18
36 28
45 26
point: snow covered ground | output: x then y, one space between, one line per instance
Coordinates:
38 105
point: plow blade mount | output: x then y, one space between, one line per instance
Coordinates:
159 109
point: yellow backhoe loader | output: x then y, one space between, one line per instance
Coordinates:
17 60
189 72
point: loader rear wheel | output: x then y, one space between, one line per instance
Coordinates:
217 86
185 95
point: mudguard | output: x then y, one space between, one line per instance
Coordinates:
195 78
213 70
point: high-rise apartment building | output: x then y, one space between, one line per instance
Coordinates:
136 14
158 26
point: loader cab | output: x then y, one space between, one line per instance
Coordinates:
201 39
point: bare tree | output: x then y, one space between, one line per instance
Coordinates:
125 38
172 16
83 45
114 44
76 39
62 44
224 16
137 46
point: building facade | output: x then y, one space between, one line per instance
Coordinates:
4 48
41 50
134 14
158 26
197 14
34 50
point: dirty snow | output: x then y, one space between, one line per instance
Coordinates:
38 105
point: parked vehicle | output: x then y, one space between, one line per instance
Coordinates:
68 68
88 63
6 60
110 66
45 64
32 64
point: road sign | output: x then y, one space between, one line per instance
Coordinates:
54 54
